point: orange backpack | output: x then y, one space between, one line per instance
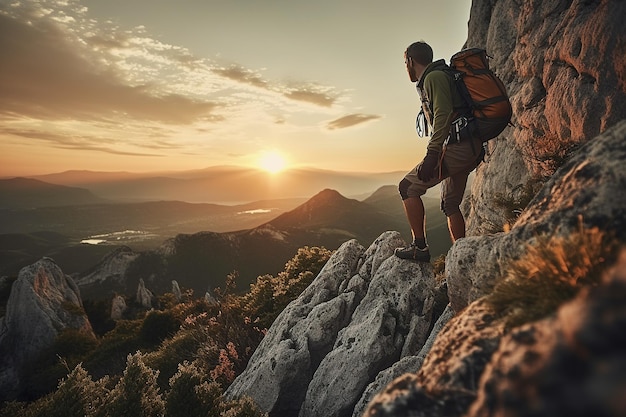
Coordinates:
483 92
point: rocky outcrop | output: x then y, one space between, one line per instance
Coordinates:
144 296
588 188
43 302
118 307
564 64
109 276
178 295
586 192
571 364
364 311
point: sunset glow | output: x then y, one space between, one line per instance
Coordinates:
127 86
272 162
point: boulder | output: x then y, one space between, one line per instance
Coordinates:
446 382
43 302
409 364
363 310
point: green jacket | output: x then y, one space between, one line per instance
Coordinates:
440 98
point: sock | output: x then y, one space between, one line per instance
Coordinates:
420 242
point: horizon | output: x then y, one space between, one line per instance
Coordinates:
153 86
201 169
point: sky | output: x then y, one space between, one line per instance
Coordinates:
162 85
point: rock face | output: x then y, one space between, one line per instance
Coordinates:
564 64
109 276
43 302
365 310
590 186
572 364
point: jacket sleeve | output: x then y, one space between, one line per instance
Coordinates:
437 88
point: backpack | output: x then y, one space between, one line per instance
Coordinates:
488 109
483 92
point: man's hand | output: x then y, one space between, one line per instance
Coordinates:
426 170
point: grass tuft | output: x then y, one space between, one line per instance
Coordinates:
551 273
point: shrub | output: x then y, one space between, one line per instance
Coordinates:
136 394
191 394
159 325
270 295
42 375
99 314
549 274
110 357
243 407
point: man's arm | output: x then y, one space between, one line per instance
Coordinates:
437 87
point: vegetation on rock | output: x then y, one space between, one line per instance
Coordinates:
176 361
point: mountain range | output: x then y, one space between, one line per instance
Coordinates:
202 260
197 244
221 185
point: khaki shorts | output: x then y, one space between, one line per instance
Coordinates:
459 160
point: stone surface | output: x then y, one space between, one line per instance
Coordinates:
447 380
176 291
43 302
569 365
589 186
112 267
352 322
564 64
408 364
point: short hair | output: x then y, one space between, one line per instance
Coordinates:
420 52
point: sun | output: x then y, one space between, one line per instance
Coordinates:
272 162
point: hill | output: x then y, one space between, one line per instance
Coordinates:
30 193
223 185
203 260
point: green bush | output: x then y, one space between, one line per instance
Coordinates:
191 394
159 325
136 394
269 296
99 314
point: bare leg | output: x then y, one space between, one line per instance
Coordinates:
414 209
456 225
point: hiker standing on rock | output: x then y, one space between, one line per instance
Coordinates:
448 159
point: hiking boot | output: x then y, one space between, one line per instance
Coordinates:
414 253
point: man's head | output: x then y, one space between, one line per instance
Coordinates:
417 57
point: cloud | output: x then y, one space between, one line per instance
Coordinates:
76 142
242 75
351 120
49 77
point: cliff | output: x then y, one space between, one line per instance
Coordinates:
564 65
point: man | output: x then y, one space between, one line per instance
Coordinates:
448 160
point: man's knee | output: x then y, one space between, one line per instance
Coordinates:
403 188
450 208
